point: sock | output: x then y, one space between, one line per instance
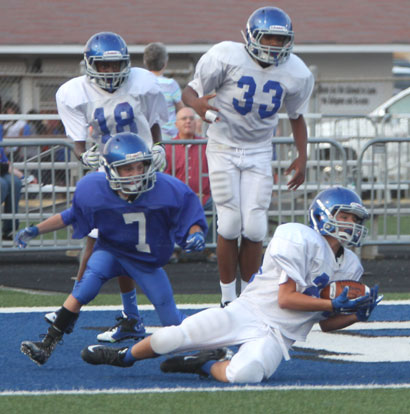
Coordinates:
243 285
129 302
129 359
207 366
65 320
228 291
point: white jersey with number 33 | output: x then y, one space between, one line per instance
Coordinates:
249 96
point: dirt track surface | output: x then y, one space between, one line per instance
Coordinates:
53 271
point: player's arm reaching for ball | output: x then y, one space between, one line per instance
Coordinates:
344 311
290 298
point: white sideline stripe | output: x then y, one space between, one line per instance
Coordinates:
27 309
209 389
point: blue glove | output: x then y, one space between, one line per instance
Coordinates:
195 242
25 235
343 304
365 311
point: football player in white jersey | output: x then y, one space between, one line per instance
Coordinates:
245 85
111 98
278 307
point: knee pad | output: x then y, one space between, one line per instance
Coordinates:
229 223
167 340
255 227
251 372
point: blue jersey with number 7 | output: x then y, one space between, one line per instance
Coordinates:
145 229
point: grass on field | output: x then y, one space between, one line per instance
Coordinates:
225 402
14 297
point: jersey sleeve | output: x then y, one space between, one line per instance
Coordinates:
80 214
74 121
188 213
297 100
291 255
209 72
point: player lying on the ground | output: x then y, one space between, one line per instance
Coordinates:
139 214
278 307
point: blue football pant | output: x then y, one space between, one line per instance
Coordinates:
103 266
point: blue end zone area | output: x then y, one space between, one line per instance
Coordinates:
363 361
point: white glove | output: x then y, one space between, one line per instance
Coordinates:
91 157
159 161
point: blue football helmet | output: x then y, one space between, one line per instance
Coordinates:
326 206
269 21
127 148
107 47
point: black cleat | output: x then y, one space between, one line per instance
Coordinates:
192 364
105 355
39 352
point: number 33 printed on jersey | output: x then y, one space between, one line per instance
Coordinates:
270 87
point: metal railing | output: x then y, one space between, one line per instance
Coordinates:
50 172
385 193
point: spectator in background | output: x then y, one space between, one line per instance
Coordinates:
10 191
192 170
14 128
36 127
155 60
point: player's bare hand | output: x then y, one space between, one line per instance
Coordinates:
205 110
299 168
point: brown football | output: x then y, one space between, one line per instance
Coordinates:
334 289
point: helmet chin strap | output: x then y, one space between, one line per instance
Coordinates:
132 197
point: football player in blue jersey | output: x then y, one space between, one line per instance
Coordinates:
139 214
111 97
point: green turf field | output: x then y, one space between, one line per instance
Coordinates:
221 402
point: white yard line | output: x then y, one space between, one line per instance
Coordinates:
209 389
